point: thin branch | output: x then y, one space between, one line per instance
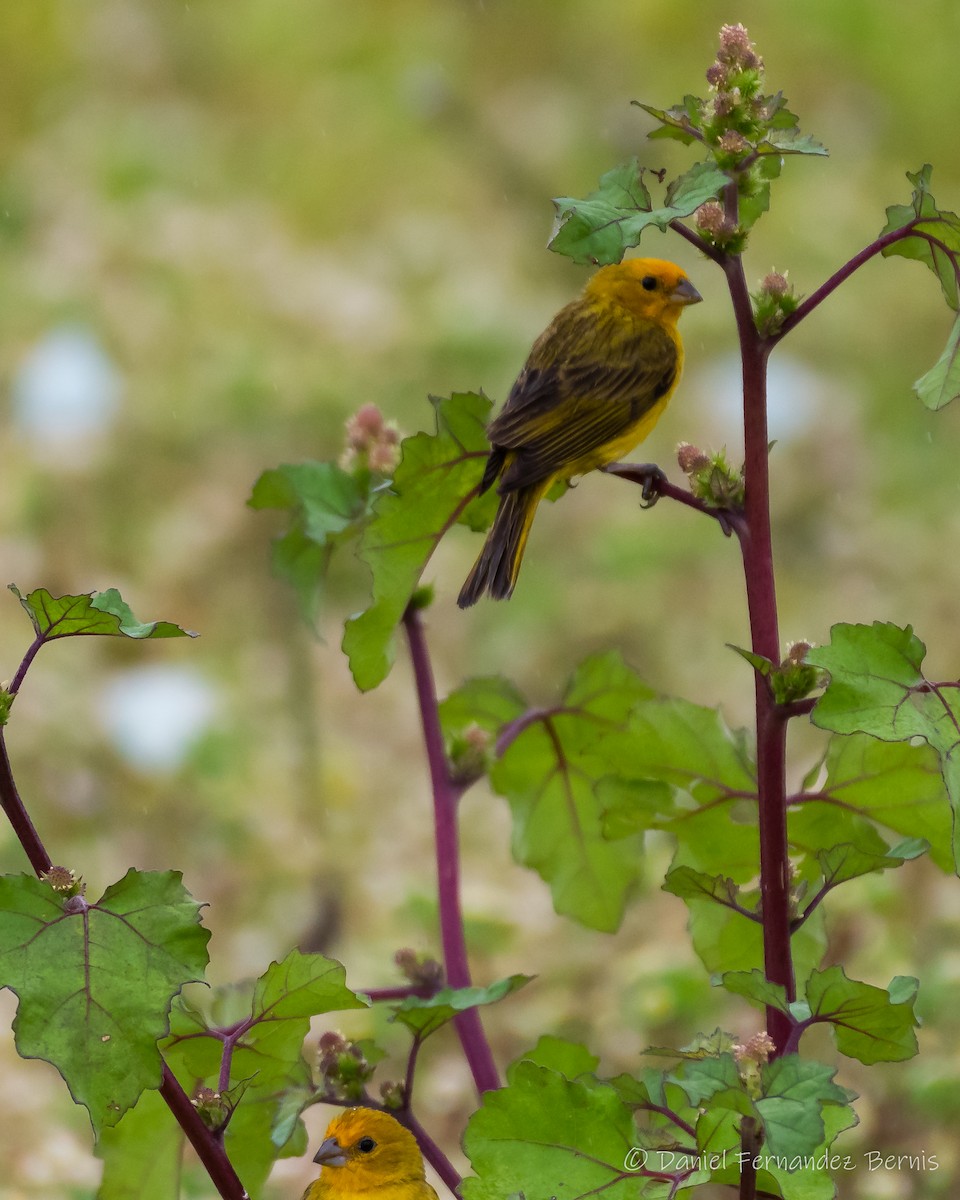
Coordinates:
431 1151
25 662
827 288
446 793
701 244
18 816
730 520
425 991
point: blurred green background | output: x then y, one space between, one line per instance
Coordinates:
224 226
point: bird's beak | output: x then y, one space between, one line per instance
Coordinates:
685 293
330 1154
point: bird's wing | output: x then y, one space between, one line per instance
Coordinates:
593 391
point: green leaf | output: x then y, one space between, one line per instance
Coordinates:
869 1023
894 783
544 1135
432 489
924 217
569 1059
691 749
755 987
725 940
632 806
273 1014
95 981
689 884
702 1078
790 141
795 1093
876 687
102 614
327 506
842 863
816 1178
548 774
425 1015
142 1153
612 219
941 383
681 123
286 1118
490 702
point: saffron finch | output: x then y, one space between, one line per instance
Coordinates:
594 385
368 1154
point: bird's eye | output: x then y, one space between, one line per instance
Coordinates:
648 283
366 1144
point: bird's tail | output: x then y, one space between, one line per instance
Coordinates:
496 570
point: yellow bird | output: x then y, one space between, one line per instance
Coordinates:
594 385
368 1155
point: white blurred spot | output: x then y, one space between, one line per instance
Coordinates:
796 394
155 714
66 394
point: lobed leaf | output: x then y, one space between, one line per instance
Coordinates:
434 487
941 383
547 1136
602 227
569 1059
869 1023
142 1153
894 783
327 506
934 234
102 614
95 980
425 1015
795 1093
877 687
549 771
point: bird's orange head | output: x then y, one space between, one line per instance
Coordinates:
368 1149
647 287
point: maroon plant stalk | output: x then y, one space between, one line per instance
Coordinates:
18 816
446 794
209 1148
757 549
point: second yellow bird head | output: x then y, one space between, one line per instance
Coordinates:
366 1148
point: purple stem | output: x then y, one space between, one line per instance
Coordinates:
757 550
18 816
841 276
431 1151
208 1147
379 995
446 793
28 658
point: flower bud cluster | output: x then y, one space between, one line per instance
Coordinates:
420 969
343 1067
736 112
64 881
795 678
750 1057
773 303
712 479
212 1108
372 442
468 752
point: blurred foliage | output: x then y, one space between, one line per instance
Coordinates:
266 213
